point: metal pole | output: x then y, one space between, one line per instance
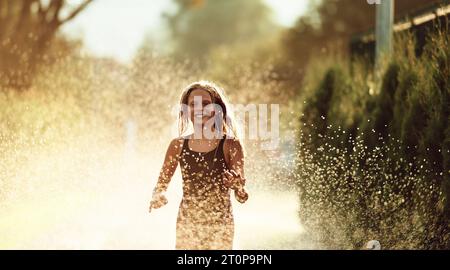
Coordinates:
384 31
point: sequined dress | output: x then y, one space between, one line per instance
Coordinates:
205 217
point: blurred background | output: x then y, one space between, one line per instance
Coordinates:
87 89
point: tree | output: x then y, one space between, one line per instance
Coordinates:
334 22
200 25
27 28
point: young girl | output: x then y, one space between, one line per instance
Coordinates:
211 167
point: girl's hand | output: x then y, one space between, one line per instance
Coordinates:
158 200
236 182
241 195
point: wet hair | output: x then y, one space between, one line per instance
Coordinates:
218 97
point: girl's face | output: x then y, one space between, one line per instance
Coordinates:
197 101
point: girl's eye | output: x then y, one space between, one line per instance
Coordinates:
204 104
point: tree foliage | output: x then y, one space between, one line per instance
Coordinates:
27 28
199 26
333 23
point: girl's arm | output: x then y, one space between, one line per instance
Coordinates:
168 169
235 178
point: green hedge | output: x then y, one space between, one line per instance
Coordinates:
374 161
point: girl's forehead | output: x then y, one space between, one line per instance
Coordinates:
199 93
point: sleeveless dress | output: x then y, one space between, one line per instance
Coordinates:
205 218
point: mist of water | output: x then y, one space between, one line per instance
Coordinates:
81 152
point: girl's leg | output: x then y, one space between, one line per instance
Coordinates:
221 237
187 238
